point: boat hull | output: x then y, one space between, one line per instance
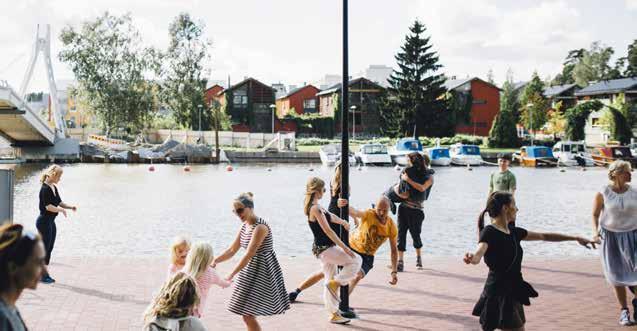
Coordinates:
464 160
538 162
441 162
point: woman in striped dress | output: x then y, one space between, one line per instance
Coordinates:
259 288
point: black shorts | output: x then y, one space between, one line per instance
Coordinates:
368 262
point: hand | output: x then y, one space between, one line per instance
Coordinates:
73 208
394 278
404 177
346 226
229 278
349 252
468 258
585 242
341 203
597 239
63 212
213 264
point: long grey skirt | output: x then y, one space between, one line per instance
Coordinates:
619 257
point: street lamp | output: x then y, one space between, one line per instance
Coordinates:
199 107
529 106
273 108
353 108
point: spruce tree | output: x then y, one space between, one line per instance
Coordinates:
503 132
416 89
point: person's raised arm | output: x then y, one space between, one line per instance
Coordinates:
318 215
394 260
230 251
475 258
598 206
557 237
417 186
258 235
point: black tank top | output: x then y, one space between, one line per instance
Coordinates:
320 238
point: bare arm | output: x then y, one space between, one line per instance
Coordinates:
394 260
353 212
556 237
417 186
598 206
258 235
318 215
475 258
230 251
67 206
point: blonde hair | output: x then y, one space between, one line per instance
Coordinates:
178 241
244 200
313 186
618 166
51 171
199 258
175 299
336 180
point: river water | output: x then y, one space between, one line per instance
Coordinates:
127 210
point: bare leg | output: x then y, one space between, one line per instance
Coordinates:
620 293
400 255
251 323
354 282
310 281
417 251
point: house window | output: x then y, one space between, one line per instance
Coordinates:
241 101
309 106
595 122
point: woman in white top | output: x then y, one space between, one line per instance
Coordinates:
615 226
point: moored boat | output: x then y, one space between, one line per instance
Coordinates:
330 154
535 156
403 147
463 155
605 155
572 153
374 154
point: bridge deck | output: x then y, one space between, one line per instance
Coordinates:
18 123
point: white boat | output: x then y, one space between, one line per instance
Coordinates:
439 156
572 153
330 154
374 153
403 147
463 155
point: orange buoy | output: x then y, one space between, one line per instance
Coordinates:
151 168
229 168
187 168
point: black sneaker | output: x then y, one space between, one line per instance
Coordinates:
47 279
401 266
419 262
349 314
635 310
292 296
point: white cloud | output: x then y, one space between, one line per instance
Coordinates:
631 4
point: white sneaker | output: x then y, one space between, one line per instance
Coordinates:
338 319
624 318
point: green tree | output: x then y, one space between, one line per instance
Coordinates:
594 65
534 105
631 60
566 76
416 89
576 118
111 66
556 124
503 133
621 119
220 121
184 85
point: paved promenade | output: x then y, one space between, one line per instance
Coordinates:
112 293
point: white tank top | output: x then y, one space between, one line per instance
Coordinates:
620 210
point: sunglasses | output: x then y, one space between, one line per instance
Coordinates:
239 211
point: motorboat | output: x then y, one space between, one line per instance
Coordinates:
403 147
439 156
605 155
330 154
535 156
374 154
572 153
463 155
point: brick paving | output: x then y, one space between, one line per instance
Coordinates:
95 293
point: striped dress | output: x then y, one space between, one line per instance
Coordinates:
259 289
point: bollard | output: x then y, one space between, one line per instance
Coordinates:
7 183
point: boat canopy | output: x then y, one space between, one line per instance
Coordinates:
437 153
409 144
538 151
469 150
331 149
573 147
374 149
621 152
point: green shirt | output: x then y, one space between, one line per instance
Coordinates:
502 181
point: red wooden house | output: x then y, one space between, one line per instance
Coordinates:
484 107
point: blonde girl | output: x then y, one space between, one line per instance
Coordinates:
178 251
198 266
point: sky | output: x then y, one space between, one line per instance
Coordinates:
296 41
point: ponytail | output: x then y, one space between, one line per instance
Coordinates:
481 222
496 202
307 204
313 186
50 172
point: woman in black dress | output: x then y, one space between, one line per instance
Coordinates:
50 205
505 292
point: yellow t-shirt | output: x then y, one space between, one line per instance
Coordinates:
371 234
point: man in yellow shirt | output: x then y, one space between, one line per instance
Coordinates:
374 227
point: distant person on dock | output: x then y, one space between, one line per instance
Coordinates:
503 180
178 251
615 227
198 265
374 228
172 307
259 289
329 248
50 205
410 210
417 171
505 292
22 257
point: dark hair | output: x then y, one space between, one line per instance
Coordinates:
417 160
495 204
14 247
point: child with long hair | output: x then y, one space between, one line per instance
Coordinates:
178 251
505 292
198 265
172 308
415 181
